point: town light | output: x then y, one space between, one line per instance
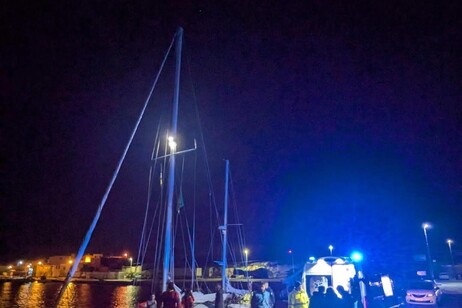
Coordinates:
39 262
330 249
312 259
125 255
70 261
290 251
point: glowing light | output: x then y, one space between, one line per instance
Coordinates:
330 249
290 251
70 261
171 143
312 259
357 256
39 262
20 262
426 225
246 251
10 267
87 259
449 241
125 255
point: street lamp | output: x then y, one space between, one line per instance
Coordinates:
131 263
357 258
450 242
246 254
330 249
292 255
426 226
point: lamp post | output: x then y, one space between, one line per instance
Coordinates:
330 249
450 242
131 264
292 255
357 258
426 226
246 255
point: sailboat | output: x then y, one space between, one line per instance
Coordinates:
171 154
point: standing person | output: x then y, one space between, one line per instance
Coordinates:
219 303
272 297
318 298
347 299
151 303
260 298
298 297
332 300
170 298
188 299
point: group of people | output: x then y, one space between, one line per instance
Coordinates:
262 297
170 299
323 298
327 298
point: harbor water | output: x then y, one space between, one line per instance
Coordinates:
81 295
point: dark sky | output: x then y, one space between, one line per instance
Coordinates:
342 122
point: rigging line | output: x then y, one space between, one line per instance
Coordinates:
148 238
209 176
150 230
184 247
160 225
212 200
86 240
212 232
172 261
193 242
162 220
240 234
143 242
190 238
155 265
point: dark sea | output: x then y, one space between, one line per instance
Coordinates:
81 295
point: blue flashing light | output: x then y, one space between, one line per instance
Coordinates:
356 256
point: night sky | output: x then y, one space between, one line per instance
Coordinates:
342 122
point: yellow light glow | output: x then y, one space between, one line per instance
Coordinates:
87 259
39 262
70 261
246 251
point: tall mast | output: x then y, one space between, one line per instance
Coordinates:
168 267
224 230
